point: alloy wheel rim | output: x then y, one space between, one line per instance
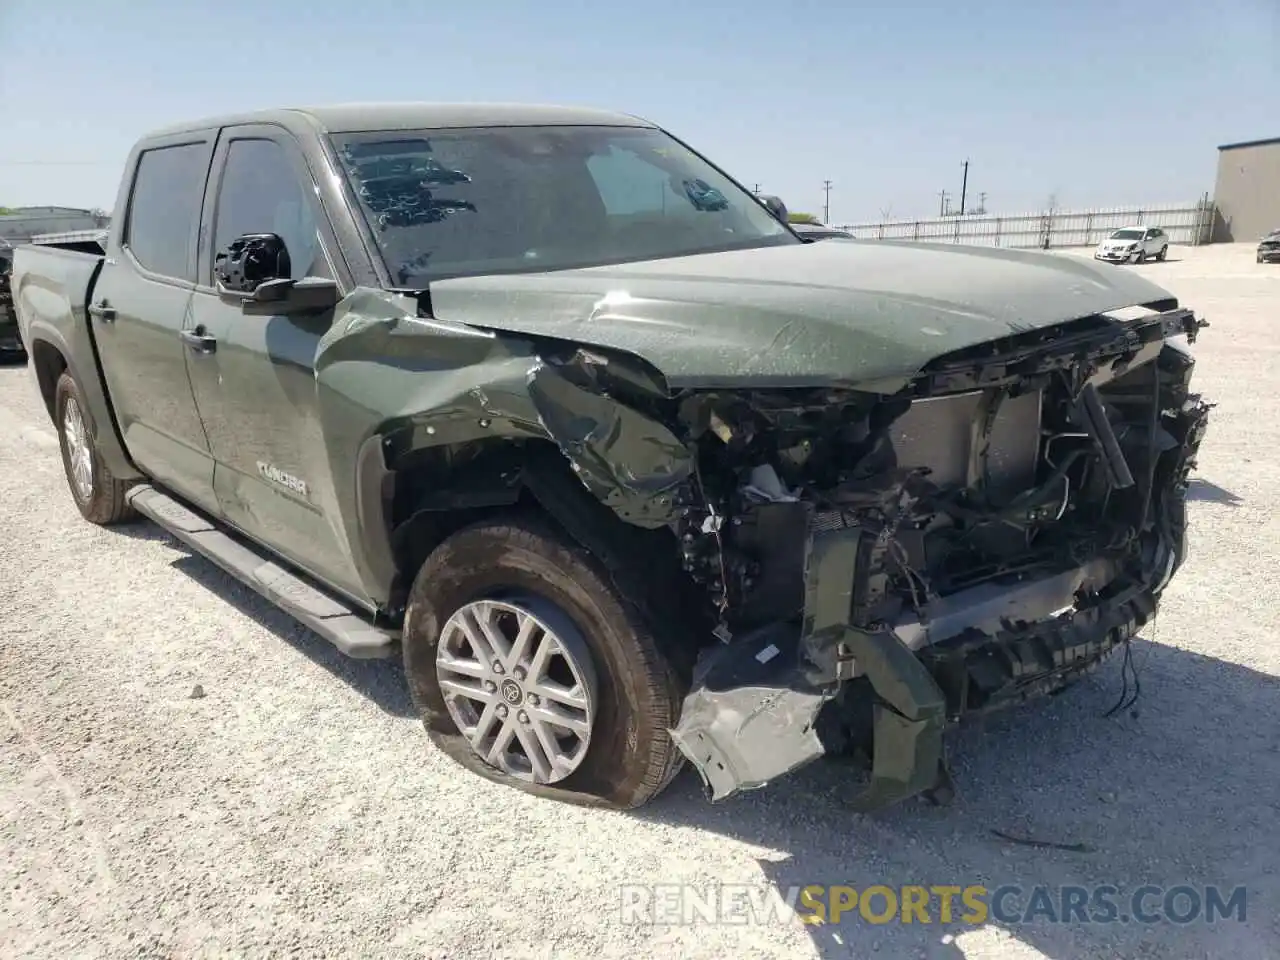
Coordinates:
79 453
519 684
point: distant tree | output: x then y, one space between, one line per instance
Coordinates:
794 216
4 210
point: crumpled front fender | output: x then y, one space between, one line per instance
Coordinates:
387 376
630 462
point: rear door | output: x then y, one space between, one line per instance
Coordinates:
140 304
256 388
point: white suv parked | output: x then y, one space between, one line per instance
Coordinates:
1133 245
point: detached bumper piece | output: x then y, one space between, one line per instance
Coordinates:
753 712
752 715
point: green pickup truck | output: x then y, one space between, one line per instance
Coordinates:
542 401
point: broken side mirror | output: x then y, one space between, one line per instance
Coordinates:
250 261
254 271
775 206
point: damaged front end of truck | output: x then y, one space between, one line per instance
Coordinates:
877 566
869 562
885 565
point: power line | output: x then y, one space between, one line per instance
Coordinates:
53 163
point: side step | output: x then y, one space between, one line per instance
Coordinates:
342 626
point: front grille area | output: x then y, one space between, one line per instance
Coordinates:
939 433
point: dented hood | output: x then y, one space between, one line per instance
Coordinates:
797 315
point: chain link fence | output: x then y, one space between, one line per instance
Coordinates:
1185 223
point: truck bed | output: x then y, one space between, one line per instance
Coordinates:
51 286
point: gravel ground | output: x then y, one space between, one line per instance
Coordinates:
298 809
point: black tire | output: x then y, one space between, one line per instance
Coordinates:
631 757
105 503
1141 257
1164 252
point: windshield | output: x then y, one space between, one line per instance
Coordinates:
447 203
1127 235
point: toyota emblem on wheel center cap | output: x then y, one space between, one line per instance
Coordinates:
511 692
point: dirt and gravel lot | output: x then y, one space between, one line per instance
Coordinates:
297 808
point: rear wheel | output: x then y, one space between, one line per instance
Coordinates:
529 669
98 495
1164 252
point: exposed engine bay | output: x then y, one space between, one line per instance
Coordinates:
876 566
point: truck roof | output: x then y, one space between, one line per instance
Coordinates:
355 117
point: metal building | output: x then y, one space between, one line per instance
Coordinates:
25 222
1247 194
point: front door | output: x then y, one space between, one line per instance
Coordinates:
255 388
140 302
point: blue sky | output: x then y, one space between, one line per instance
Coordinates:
1096 102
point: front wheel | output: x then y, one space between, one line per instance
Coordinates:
98 495
1140 257
530 670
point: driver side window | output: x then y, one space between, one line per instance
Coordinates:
261 193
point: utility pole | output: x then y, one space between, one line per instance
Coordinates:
964 186
942 203
982 202
826 201
756 189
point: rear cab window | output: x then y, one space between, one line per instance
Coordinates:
164 208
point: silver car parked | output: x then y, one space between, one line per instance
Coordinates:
1133 245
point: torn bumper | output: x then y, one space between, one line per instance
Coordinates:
753 712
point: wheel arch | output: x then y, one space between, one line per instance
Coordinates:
494 477
48 363
50 356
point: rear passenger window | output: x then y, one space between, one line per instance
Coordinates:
165 206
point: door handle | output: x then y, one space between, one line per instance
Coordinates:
199 341
103 311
